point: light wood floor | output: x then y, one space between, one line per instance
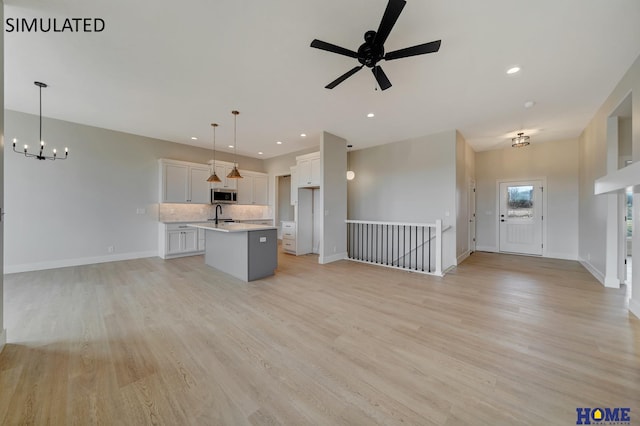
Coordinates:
502 340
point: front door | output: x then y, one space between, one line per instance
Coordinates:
521 217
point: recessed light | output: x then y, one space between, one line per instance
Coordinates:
260 152
529 104
303 135
513 70
279 142
230 146
371 115
193 138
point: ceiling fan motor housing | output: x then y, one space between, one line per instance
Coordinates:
370 54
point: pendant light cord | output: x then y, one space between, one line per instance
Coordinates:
235 144
40 114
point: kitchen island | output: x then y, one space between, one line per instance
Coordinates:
246 251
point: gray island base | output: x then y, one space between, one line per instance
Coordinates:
246 251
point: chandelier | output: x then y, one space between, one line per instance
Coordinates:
40 155
520 141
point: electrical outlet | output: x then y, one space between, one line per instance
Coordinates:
110 249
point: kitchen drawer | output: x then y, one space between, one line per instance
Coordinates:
288 225
289 245
177 227
288 234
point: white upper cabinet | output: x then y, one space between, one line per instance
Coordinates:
175 182
253 188
260 190
182 182
294 185
308 169
199 187
222 170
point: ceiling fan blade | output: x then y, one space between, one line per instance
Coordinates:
343 77
381 77
420 49
323 45
391 14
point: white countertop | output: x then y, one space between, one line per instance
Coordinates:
167 222
231 227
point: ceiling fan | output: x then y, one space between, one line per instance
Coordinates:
372 50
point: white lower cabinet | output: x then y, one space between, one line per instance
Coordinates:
177 240
201 239
289 237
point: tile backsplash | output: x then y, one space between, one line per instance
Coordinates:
200 212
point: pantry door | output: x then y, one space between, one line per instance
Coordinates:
520 225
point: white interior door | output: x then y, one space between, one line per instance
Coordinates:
521 217
472 216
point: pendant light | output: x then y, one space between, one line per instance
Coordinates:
520 141
40 155
350 173
214 177
235 174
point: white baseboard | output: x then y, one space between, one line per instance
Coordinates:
39 266
487 248
593 270
462 257
3 338
611 282
563 256
333 258
634 307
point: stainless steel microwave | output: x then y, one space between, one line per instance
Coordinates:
224 196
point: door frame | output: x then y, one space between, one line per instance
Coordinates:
543 179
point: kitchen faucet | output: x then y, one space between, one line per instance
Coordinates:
218 205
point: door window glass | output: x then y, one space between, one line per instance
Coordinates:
520 201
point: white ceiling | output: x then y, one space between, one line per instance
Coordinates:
167 69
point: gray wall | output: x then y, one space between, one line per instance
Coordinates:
2 330
465 174
68 212
593 165
625 136
555 161
333 198
285 209
408 181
